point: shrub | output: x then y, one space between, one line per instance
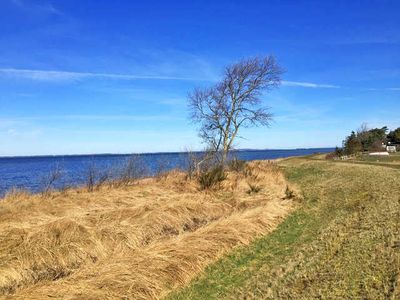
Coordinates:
162 167
331 155
91 177
212 177
193 162
49 180
134 168
95 178
377 146
236 165
253 188
289 193
336 154
198 162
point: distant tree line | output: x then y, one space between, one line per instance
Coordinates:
365 139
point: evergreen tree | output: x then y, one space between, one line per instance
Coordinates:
394 136
352 144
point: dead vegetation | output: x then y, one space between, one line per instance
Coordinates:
135 241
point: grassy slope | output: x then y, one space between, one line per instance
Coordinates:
135 241
341 243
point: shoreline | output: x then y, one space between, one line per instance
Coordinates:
74 169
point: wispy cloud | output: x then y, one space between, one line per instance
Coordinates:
309 85
45 7
384 89
59 76
44 75
90 118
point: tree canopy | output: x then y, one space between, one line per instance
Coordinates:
394 136
370 139
234 102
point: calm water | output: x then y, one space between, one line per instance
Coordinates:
30 172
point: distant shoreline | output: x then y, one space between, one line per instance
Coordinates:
31 172
153 153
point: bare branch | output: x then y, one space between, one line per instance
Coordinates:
235 102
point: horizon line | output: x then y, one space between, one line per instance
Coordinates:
157 152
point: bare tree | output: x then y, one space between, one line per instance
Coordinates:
52 178
133 169
91 177
95 178
234 102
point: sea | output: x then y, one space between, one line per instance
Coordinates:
33 173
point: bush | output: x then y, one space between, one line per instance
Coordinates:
331 155
236 165
253 188
192 162
162 167
134 168
336 154
377 147
53 177
212 177
198 161
95 178
289 193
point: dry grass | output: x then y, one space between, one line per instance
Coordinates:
343 241
137 241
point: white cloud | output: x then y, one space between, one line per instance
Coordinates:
43 75
21 132
11 131
92 118
59 76
309 84
383 89
47 8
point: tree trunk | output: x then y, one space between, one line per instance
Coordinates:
224 156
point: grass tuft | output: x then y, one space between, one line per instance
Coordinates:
212 177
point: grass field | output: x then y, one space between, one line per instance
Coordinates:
393 158
163 238
135 241
342 243
391 161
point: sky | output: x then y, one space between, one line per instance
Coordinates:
80 77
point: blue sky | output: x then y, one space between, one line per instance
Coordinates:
112 76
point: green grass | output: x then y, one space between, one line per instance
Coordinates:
338 244
236 269
391 161
392 158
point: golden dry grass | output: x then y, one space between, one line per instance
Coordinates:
137 241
